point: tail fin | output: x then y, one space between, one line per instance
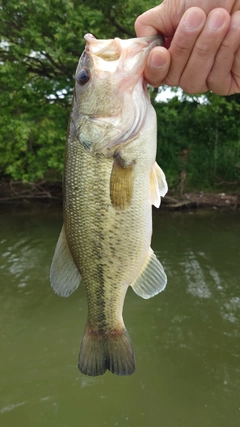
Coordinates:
102 351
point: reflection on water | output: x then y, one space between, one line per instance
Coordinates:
19 261
197 283
186 339
11 407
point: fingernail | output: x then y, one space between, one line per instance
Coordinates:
194 18
215 20
157 60
235 21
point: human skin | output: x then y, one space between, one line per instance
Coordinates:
202 48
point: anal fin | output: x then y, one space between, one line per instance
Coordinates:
64 275
151 279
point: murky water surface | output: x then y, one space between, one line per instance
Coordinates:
186 340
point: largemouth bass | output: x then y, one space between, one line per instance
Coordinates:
111 181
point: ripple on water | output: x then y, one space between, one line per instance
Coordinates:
197 284
231 310
11 407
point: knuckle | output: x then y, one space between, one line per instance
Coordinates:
191 86
187 85
222 86
202 50
171 81
181 50
226 45
218 90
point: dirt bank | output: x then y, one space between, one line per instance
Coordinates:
202 199
17 192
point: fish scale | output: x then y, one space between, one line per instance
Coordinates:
111 180
90 231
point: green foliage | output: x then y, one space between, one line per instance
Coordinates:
202 138
40 43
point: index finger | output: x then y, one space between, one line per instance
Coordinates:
154 21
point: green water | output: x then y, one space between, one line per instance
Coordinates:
186 340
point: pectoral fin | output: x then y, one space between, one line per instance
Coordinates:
151 279
121 184
64 275
158 185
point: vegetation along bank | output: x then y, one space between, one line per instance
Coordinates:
41 41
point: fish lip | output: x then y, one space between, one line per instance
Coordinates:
100 46
121 55
157 39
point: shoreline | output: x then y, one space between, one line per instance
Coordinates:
201 200
16 192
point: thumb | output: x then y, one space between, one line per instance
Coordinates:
157 66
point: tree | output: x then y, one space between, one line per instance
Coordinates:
200 136
41 41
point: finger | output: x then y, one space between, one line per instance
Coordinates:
183 43
157 67
160 19
165 17
224 77
235 87
194 76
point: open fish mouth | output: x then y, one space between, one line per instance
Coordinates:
102 46
117 67
125 54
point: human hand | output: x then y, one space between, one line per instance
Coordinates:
203 46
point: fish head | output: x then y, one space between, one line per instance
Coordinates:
110 97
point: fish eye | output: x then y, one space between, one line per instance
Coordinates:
83 76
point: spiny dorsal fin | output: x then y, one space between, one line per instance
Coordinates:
151 279
121 184
158 185
64 275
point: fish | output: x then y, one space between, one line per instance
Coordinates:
111 180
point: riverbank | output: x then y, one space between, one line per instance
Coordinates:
45 192
200 199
